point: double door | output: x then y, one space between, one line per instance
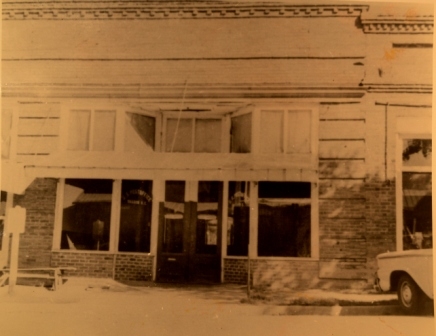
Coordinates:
189 238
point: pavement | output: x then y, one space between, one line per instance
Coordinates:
290 302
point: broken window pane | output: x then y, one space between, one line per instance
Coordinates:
284 219
86 214
417 152
271 133
135 219
179 135
79 127
207 136
238 219
139 133
299 125
104 131
241 134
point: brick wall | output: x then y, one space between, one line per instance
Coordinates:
94 265
235 270
133 267
36 242
380 221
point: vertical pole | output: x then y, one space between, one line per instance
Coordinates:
16 223
13 269
248 273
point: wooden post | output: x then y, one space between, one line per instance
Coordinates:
248 273
16 222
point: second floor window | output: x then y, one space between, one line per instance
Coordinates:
199 135
91 130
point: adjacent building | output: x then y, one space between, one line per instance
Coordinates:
178 141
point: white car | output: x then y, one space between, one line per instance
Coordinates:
410 273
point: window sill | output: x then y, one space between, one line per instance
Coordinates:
273 258
103 252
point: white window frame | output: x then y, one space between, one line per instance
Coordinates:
225 136
286 107
400 169
114 221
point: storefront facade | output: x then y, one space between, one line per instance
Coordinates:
177 142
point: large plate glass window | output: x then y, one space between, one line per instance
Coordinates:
284 219
86 216
135 219
417 194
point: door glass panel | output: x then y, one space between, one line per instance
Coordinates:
174 209
238 219
207 217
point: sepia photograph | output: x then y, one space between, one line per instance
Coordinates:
223 167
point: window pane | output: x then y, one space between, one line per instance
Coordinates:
174 210
207 217
417 152
284 189
139 133
284 230
86 214
182 133
271 134
417 211
284 219
135 220
299 126
238 219
78 134
104 131
241 134
207 136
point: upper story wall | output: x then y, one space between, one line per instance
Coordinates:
135 42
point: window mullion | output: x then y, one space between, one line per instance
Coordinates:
91 130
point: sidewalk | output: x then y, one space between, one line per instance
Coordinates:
313 301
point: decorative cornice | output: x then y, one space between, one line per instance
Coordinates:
195 91
125 10
424 26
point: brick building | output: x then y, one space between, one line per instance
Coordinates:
175 141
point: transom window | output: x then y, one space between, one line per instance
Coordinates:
285 131
91 130
199 135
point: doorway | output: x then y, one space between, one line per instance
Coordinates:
189 238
